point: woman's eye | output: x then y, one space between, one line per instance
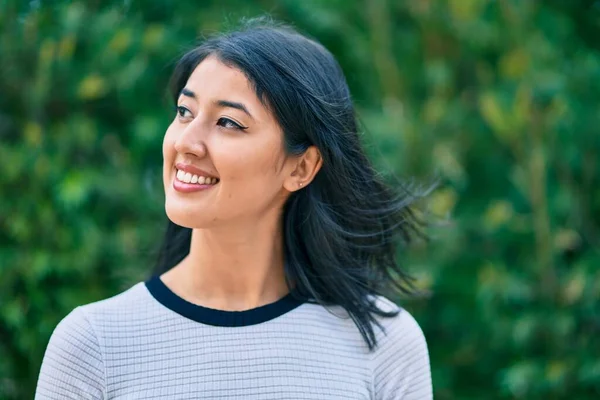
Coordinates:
229 124
183 112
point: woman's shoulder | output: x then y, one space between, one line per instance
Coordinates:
399 363
401 358
73 362
132 297
399 330
87 318
81 329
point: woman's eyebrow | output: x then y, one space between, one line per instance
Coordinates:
219 103
188 93
232 104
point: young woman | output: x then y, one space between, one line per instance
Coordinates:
279 251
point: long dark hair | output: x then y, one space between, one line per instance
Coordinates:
342 230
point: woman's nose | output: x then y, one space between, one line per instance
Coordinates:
191 140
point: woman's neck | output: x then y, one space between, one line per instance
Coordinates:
231 269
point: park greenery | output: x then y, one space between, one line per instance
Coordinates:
498 100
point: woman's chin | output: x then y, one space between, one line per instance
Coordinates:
186 217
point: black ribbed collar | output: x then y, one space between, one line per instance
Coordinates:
210 316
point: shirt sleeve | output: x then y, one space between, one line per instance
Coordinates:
401 364
72 367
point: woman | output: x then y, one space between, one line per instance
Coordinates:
280 247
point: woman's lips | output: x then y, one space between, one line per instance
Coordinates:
190 187
185 187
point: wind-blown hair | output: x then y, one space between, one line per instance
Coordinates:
341 231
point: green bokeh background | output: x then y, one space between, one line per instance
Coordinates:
500 99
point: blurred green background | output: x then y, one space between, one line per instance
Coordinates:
500 99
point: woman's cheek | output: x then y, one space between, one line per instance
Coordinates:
168 138
168 150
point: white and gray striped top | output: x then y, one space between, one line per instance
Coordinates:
148 343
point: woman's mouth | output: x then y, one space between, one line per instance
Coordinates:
187 182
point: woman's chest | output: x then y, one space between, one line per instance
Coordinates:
265 366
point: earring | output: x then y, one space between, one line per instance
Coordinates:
301 183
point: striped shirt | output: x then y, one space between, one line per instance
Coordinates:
148 343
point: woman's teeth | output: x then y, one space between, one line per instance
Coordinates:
200 180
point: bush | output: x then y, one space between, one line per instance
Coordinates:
498 98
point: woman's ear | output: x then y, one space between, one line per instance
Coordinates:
305 168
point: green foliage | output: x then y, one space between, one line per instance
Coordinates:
501 99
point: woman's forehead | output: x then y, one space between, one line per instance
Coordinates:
213 76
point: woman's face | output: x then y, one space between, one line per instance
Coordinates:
222 133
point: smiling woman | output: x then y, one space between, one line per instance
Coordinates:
279 251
